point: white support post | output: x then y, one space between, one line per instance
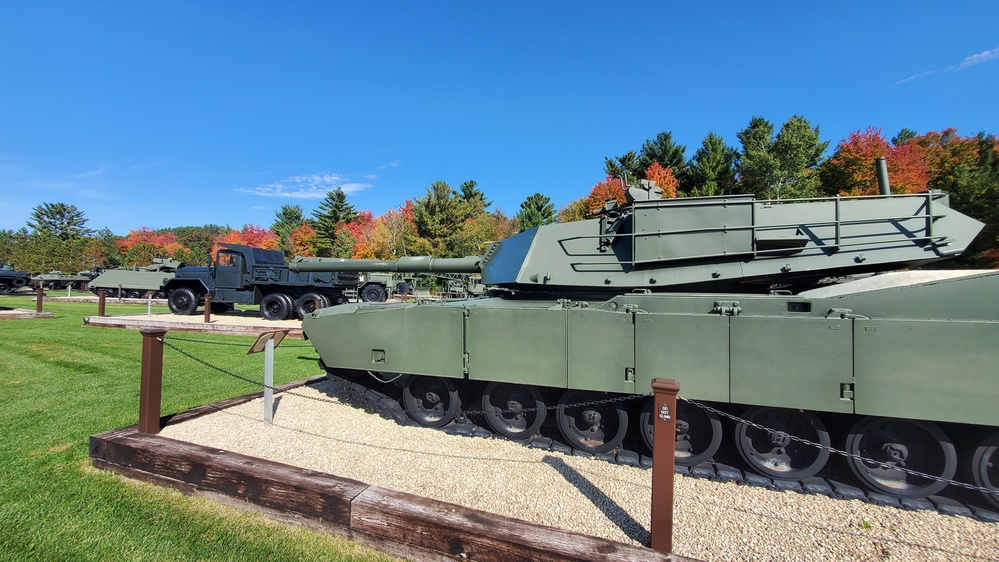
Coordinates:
269 381
149 305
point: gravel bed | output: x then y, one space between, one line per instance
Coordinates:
712 520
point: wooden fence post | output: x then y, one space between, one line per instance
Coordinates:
663 462
101 303
151 385
208 309
39 294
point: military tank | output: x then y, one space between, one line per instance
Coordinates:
11 279
137 282
55 279
776 313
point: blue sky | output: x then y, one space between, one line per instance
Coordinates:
174 113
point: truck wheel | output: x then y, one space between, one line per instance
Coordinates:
373 293
183 301
340 298
306 304
275 306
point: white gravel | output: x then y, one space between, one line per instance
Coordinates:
712 520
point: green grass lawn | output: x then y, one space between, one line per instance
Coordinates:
60 382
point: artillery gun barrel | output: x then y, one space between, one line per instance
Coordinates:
409 264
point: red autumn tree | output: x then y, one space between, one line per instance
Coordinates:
850 171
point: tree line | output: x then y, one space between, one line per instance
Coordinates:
769 163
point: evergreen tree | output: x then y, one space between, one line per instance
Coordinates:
536 210
712 169
332 212
475 198
286 219
623 167
784 166
61 220
438 215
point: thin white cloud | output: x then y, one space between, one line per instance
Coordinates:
90 173
309 186
981 57
968 62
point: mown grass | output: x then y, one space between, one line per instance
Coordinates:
60 382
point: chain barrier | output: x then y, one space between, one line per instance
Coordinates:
241 377
465 413
231 344
880 464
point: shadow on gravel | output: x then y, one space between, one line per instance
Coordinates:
615 514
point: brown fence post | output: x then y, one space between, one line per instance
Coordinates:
39 294
208 309
101 303
663 462
151 384
319 302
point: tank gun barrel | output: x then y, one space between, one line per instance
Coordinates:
409 264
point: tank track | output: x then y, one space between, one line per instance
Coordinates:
954 502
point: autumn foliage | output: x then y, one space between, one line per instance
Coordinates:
605 191
249 235
851 169
664 178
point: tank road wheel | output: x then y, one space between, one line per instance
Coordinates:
430 401
698 432
306 304
373 293
134 294
276 306
183 301
159 295
4 288
503 405
594 428
893 444
53 286
985 467
774 453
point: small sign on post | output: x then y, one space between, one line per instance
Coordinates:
663 462
266 342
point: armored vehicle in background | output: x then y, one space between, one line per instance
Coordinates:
55 280
12 280
766 311
137 282
377 287
247 275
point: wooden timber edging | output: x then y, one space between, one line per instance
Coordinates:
214 327
400 523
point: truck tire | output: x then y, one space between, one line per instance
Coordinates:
276 306
373 292
306 304
183 301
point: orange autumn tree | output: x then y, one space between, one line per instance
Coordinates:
604 191
303 241
142 245
664 178
850 171
249 235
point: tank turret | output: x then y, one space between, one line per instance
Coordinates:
708 243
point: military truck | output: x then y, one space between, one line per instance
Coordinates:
12 280
137 282
247 275
378 286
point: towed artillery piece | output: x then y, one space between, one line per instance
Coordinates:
137 282
769 314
